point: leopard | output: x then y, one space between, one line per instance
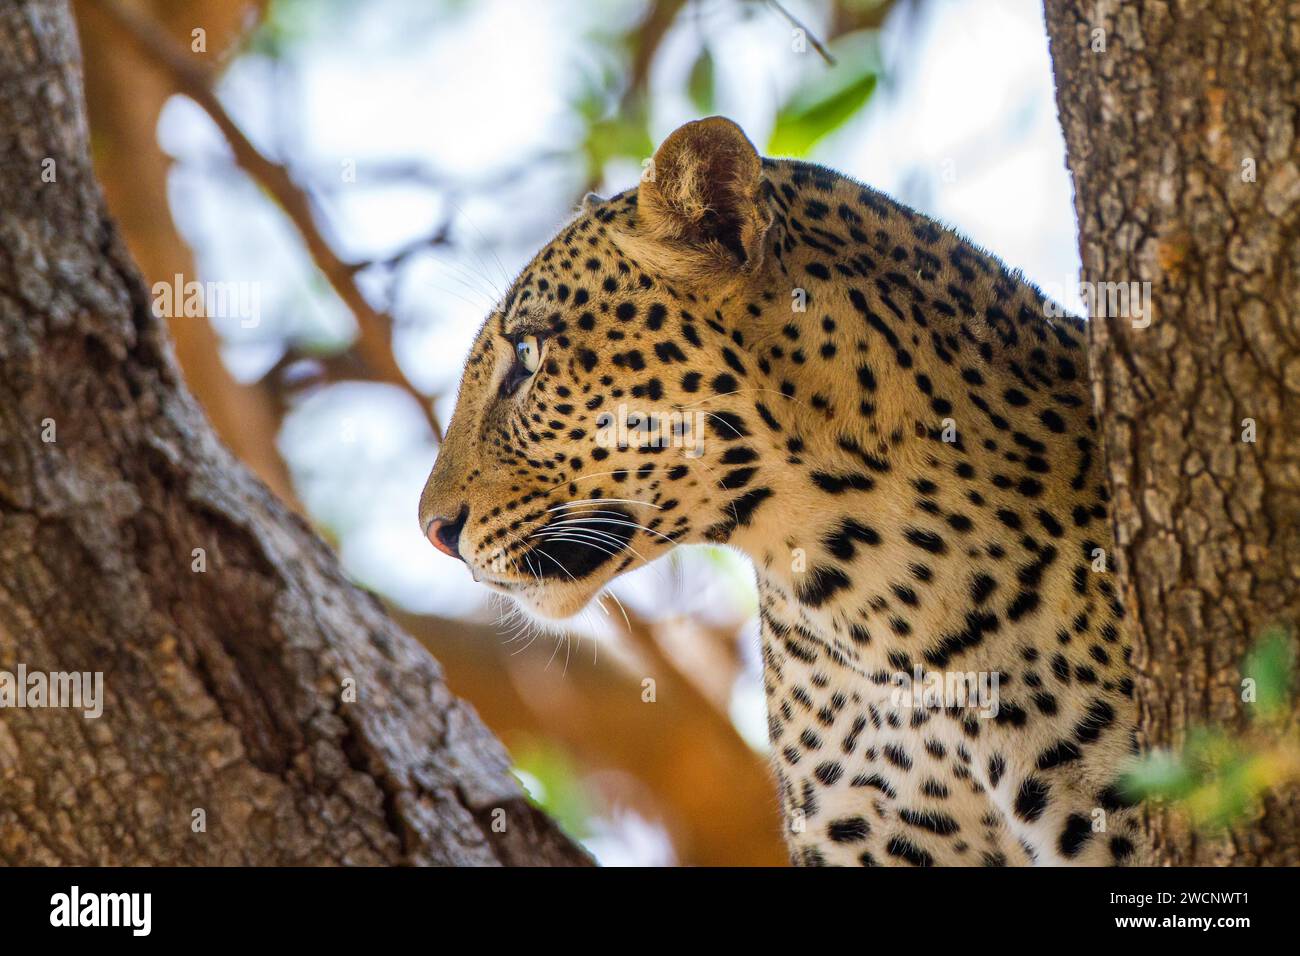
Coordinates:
894 427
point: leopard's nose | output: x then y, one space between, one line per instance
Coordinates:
444 533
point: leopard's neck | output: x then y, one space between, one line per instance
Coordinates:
910 387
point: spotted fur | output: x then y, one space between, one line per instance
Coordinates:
899 435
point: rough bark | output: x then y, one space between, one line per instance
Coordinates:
1163 129
223 688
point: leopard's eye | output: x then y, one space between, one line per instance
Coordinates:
529 352
528 358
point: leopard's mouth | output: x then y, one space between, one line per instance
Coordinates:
566 561
499 584
573 545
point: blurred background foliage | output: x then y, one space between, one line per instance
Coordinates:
380 170
1219 778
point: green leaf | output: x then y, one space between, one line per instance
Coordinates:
1159 775
827 101
1229 795
700 84
611 132
562 794
798 129
1271 665
618 136
1209 749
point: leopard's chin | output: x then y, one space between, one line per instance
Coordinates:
554 605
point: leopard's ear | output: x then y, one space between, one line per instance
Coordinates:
702 191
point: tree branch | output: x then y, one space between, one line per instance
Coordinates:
798 25
195 80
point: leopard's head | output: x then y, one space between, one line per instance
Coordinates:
599 419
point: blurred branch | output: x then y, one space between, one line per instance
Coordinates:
648 34
812 37
387 172
195 80
124 99
712 792
640 636
853 16
439 237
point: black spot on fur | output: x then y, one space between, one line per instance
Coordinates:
1031 801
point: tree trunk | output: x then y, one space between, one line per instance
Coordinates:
1180 120
226 690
